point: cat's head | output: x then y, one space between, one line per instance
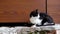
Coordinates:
34 13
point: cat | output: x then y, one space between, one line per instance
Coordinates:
40 19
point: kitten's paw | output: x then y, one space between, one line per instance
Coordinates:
33 26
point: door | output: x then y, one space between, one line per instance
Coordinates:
19 10
54 10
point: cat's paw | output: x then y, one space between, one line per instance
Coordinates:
33 26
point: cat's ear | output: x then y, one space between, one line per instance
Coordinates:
36 10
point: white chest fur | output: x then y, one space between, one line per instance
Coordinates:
36 20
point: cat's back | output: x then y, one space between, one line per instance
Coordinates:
46 17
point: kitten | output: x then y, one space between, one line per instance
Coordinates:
40 19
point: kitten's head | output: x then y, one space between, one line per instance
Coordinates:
34 13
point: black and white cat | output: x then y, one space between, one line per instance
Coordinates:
40 19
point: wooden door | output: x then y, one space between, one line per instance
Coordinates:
19 10
54 9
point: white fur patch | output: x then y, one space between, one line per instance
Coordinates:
47 23
36 20
33 26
